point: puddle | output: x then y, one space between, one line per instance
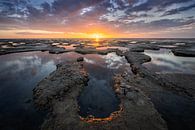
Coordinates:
68 47
168 46
180 44
164 61
98 98
123 49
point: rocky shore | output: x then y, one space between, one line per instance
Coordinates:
58 92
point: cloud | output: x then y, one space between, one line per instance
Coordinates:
115 15
178 10
86 10
37 32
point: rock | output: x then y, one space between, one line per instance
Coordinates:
184 52
182 83
136 58
59 91
57 84
80 59
56 50
93 51
136 108
141 48
137 49
33 47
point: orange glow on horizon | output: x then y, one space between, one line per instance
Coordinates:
97 36
96 33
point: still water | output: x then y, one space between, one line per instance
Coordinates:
98 97
178 111
20 73
164 61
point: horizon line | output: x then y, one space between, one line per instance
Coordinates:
105 38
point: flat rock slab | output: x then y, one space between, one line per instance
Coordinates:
141 48
86 50
136 57
183 81
184 52
50 49
59 91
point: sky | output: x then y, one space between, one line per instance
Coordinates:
97 18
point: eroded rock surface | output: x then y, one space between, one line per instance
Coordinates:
59 91
67 78
184 52
182 81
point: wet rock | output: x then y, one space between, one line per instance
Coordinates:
80 59
93 51
33 47
59 91
85 50
181 82
57 50
137 107
57 84
137 49
141 48
184 52
136 58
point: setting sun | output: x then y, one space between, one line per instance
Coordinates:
97 36
97 64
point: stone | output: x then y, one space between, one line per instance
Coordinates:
80 59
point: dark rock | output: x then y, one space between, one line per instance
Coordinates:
93 51
136 107
66 77
141 48
80 59
184 52
184 83
137 49
56 50
136 58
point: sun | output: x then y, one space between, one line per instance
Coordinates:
97 36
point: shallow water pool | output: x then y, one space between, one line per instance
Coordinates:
164 61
